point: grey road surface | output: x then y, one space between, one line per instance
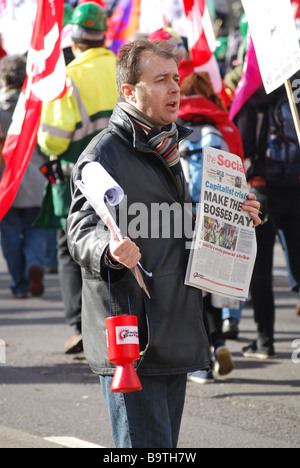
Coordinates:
50 400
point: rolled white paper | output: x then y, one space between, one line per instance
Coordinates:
98 187
101 185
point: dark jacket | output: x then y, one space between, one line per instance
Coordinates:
172 335
253 124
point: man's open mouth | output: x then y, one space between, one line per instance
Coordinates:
172 105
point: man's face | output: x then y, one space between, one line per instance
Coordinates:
157 95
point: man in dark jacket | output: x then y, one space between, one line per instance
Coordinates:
140 151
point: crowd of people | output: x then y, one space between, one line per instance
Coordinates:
130 112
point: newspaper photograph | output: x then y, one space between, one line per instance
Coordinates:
224 247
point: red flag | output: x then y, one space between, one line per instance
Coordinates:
45 81
99 2
202 42
296 8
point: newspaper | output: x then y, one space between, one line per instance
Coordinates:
224 247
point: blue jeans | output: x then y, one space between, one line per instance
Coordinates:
232 313
22 245
149 418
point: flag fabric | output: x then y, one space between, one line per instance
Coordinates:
123 23
296 8
250 81
45 81
16 24
296 12
157 14
202 42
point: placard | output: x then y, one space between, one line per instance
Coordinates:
275 37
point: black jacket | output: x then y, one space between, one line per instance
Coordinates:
172 335
253 124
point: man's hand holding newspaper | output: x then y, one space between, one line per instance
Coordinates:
253 207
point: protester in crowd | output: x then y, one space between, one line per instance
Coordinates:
22 244
66 33
293 282
222 362
220 53
140 151
67 126
203 112
200 105
274 176
235 55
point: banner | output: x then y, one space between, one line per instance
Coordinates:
250 81
45 81
16 23
275 40
202 42
123 23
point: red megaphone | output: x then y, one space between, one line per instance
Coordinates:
123 349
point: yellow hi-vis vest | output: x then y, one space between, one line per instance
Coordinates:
69 124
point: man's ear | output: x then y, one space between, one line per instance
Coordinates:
129 92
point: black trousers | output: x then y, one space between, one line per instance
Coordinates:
70 282
281 210
284 210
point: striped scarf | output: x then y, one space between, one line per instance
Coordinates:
164 142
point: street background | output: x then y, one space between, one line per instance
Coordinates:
46 394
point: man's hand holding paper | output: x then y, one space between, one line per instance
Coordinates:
252 206
123 251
